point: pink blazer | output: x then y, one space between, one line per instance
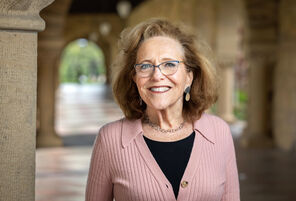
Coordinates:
122 166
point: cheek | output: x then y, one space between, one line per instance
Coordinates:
140 85
180 81
184 79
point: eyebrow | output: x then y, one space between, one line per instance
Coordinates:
162 60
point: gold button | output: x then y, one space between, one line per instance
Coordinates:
184 184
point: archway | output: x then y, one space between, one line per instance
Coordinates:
82 62
82 77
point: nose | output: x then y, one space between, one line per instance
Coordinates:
157 74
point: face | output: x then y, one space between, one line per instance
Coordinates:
160 91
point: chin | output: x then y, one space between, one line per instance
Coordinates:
158 106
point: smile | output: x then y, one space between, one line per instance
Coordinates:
159 89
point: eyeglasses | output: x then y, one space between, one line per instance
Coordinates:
166 68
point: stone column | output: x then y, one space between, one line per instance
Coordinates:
284 104
262 41
47 60
229 20
257 133
226 92
49 50
19 23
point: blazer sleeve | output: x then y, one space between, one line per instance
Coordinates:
99 183
231 192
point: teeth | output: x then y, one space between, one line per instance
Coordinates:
159 89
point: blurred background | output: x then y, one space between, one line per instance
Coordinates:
254 44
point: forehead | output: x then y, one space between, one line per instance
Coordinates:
160 47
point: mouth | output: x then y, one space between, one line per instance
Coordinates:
159 89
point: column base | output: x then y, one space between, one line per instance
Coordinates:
256 141
48 140
286 143
229 118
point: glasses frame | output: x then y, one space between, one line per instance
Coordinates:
158 66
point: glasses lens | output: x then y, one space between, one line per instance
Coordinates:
166 68
144 70
169 67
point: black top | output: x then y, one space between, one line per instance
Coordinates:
172 158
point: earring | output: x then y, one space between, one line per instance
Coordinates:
187 96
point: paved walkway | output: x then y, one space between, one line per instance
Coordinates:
61 173
82 109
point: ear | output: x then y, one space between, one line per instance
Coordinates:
189 78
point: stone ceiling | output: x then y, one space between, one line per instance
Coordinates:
98 6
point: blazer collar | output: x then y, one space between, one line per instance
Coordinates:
204 127
129 130
132 128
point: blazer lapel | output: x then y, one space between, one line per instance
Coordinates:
154 168
192 166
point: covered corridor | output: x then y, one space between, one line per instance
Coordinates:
33 33
61 172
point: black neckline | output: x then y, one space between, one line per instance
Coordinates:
172 158
173 142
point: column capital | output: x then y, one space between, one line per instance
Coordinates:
22 14
226 62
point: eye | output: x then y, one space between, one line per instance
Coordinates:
145 66
170 64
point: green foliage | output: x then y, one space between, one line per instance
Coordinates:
241 105
213 108
82 61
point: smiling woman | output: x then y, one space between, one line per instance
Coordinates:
165 148
203 89
158 90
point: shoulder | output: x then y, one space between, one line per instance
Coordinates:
213 121
109 133
215 128
111 127
219 132
119 126
121 131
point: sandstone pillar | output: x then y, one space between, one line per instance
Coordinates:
262 39
284 104
258 115
19 23
47 61
49 50
228 22
226 92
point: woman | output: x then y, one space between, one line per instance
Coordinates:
166 148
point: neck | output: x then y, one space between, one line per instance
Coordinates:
166 119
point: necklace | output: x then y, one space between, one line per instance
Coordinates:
156 127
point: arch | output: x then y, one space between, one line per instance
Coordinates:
88 26
84 57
